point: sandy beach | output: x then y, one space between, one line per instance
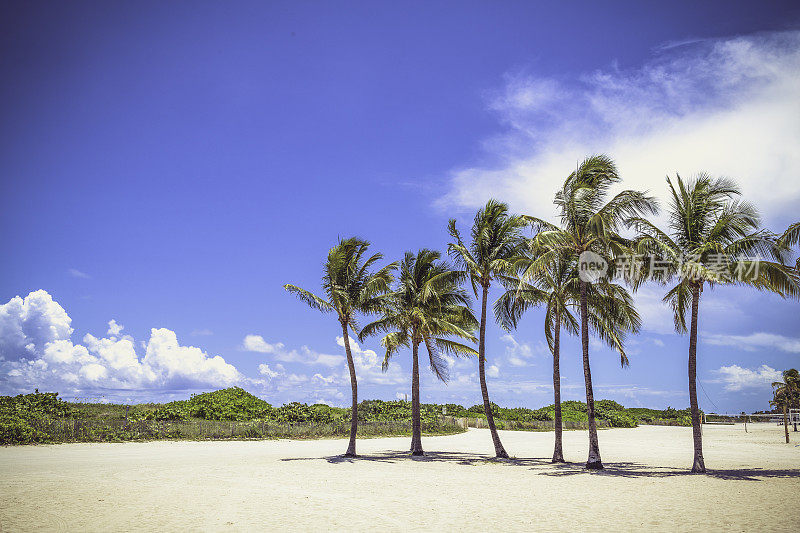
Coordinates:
753 484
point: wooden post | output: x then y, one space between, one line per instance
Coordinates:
785 424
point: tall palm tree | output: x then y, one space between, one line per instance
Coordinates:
557 288
589 223
350 287
787 395
714 238
427 307
495 244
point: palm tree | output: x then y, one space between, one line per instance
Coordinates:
350 287
495 244
790 238
427 307
557 288
713 238
590 224
786 395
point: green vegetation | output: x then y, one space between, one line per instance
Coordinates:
17 412
236 414
612 413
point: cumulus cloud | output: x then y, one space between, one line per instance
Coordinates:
265 370
305 355
737 378
368 366
755 341
331 385
28 324
519 354
725 106
114 328
37 351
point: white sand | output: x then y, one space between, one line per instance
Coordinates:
753 484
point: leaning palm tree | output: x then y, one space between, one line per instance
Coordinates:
589 232
495 244
557 288
786 395
350 287
428 307
714 238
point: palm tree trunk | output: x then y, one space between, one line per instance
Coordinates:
416 424
558 453
499 451
699 465
351 448
594 462
785 424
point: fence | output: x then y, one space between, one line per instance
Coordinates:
534 425
104 430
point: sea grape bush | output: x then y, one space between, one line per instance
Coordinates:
23 417
18 414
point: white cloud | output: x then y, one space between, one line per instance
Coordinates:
727 106
75 273
28 324
737 378
519 354
755 341
37 351
327 380
114 329
326 386
493 371
368 366
265 370
305 355
185 364
256 343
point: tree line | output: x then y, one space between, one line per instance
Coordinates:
581 270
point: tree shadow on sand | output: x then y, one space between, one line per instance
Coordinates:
636 470
462 458
545 467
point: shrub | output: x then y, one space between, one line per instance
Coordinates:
228 404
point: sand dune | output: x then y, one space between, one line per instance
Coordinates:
754 484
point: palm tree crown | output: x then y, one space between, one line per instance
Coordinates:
713 238
556 286
496 243
428 306
349 285
788 391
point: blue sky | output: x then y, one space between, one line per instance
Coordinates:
170 165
